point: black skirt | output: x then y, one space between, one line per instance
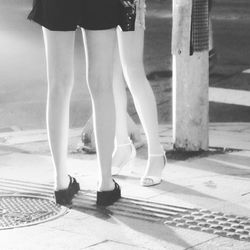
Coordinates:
66 15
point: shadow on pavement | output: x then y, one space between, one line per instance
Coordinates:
152 229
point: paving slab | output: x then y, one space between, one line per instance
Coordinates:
221 243
106 245
39 237
145 234
215 181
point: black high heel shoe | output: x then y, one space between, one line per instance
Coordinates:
106 198
65 196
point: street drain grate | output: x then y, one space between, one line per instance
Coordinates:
203 220
26 210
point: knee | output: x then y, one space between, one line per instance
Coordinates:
100 83
135 76
60 82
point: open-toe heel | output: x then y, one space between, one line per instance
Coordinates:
65 196
150 180
106 198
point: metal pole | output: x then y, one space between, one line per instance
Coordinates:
190 75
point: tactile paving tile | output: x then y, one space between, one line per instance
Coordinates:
203 220
232 226
23 210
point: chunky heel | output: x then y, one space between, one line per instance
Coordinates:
65 196
106 198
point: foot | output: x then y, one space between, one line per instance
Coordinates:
136 138
122 156
62 182
106 198
65 196
88 138
154 169
106 186
87 144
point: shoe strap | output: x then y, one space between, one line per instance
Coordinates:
159 155
156 155
124 145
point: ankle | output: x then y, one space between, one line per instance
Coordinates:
62 182
157 157
106 185
123 149
122 142
156 151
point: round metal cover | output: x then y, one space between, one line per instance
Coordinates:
26 210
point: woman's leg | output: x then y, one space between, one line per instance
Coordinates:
120 98
131 50
99 47
121 154
59 47
134 133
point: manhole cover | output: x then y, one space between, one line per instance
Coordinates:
26 210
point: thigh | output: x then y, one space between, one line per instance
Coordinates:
131 47
117 71
99 50
59 48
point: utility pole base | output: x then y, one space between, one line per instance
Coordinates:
190 102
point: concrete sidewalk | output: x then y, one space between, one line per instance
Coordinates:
217 181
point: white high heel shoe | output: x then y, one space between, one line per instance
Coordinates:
150 180
117 169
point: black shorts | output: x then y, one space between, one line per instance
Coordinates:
66 15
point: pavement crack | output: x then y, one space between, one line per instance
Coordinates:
96 244
201 243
